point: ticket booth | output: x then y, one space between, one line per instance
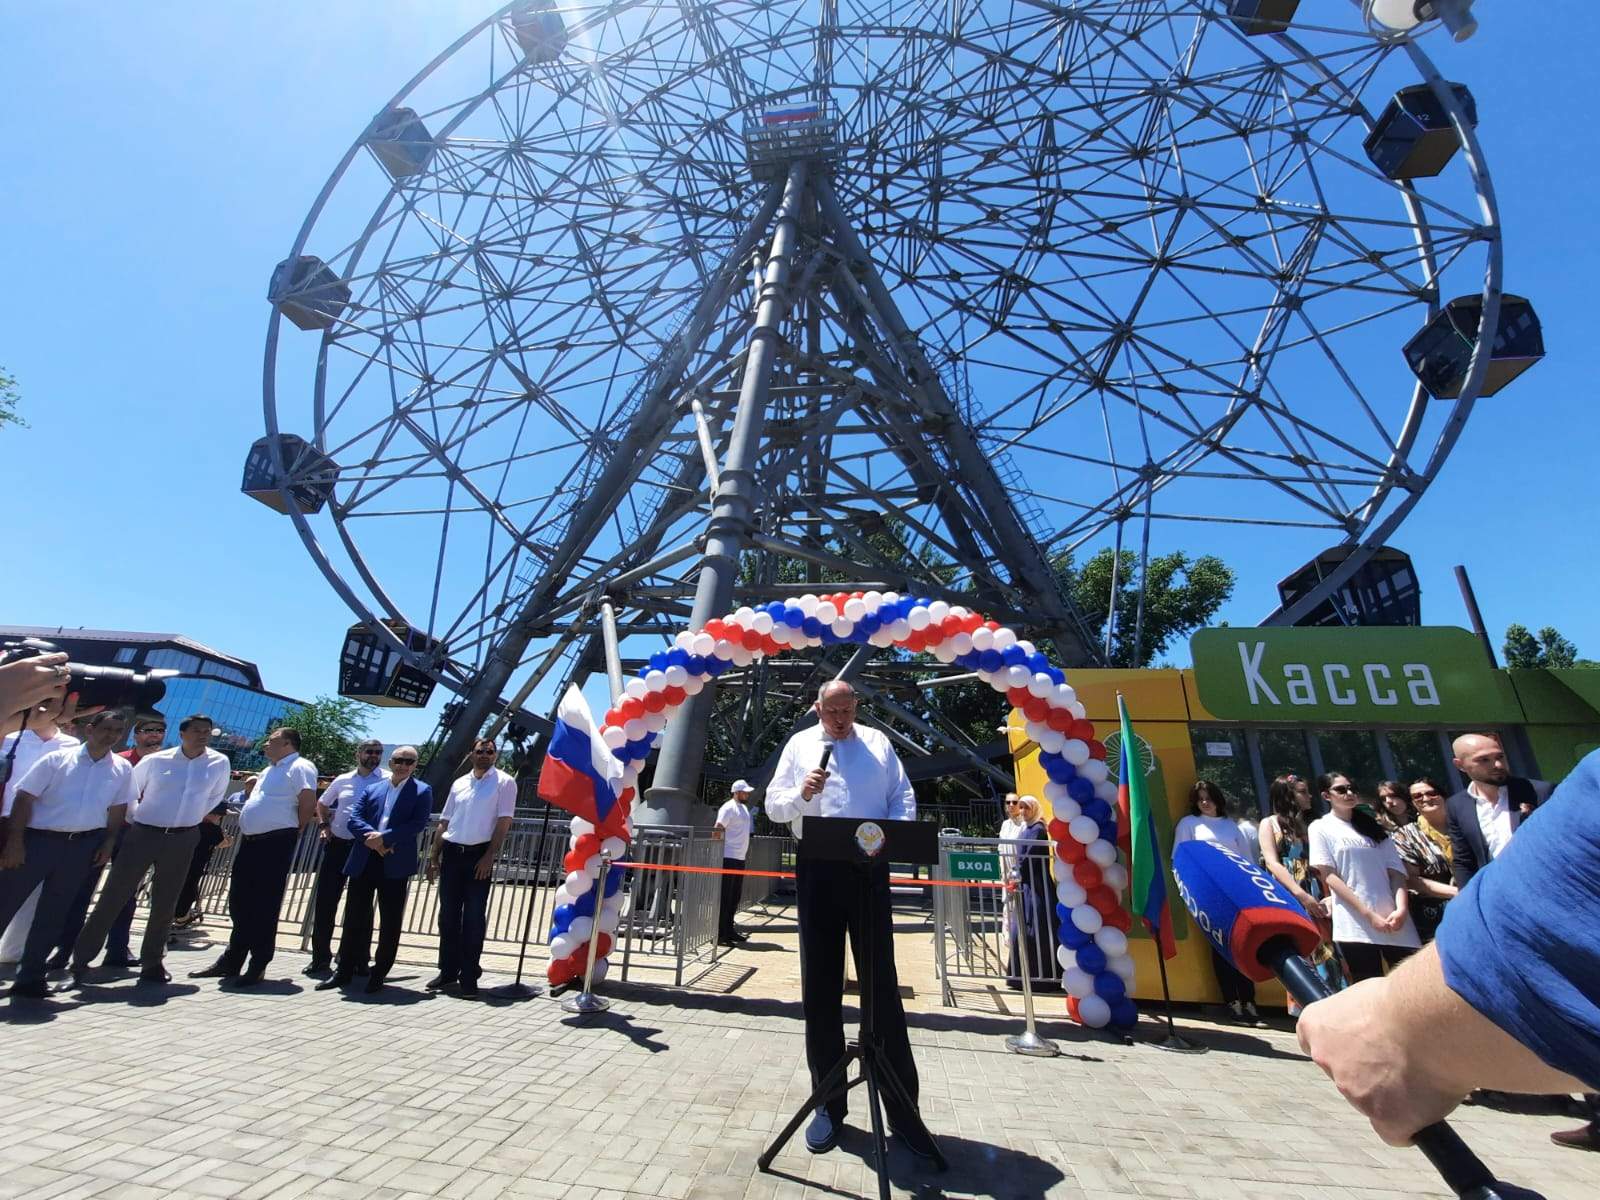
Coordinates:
1372 703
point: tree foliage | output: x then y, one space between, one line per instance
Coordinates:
9 396
329 727
1547 648
1181 595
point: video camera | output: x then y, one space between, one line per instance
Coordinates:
96 686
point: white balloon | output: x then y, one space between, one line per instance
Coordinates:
562 945
1076 751
1004 638
1122 964
693 685
655 722
742 656
634 730
1087 918
983 638
655 681
1066 696
744 616
615 847
562 896
703 644
1077 710
1066 958
579 827
613 736
1076 980
999 682
901 629
684 639
961 643
1102 854
938 612
1106 790
1114 876
891 597
842 627
577 884
1094 770
1026 646
635 687
762 623
1083 829
1051 740
872 600
1112 940
1094 1012
881 638
580 929
1070 892
917 618
945 652
808 604
826 612
676 675
1066 808
854 610
1041 686
591 867
1035 731
602 968
609 920
1056 793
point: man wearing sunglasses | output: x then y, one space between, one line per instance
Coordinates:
386 821
333 821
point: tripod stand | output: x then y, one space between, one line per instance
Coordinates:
835 839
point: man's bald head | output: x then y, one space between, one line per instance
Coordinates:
836 708
1481 758
835 687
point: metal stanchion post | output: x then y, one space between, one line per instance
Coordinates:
1028 1041
586 1001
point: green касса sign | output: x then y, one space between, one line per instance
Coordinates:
1408 676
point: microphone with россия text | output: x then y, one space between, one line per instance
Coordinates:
1262 930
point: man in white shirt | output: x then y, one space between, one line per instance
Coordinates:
864 778
176 788
472 828
1484 815
43 734
66 813
282 801
333 820
733 831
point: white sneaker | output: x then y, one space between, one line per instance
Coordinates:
1236 1009
821 1135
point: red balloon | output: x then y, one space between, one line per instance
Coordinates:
1119 918
1072 1009
612 717
1097 750
1059 719
605 945
1058 830
655 701
631 709
734 632
1071 849
858 595
560 971
991 624
1036 709
1103 899
1018 696
1086 873
971 623
573 861
675 696
588 845
913 640
1081 729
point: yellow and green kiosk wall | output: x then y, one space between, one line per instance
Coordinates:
1373 703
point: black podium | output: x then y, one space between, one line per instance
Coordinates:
867 844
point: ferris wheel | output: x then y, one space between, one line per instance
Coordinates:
1131 274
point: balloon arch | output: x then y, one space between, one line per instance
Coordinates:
1097 968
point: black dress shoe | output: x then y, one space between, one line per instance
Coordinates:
374 984
30 991
155 976
119 960
468 991
251 977
440 983
217 970
331 982
362 971
318 970
59 961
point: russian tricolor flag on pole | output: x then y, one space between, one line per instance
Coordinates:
789 114
580 774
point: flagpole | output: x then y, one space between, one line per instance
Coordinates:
1174 1041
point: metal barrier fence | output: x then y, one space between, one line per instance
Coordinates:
973 928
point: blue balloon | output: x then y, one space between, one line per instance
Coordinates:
1109 985
620 754
614 879
658 661
1124 1013
584 905
1014 656
1057 675
639 748
1092 959
1038 663
561 919
1099 810
774 610
1071 936
968 660
1081 789
694 664
716 666
1062 772
990 660
793 617
811 627
677 656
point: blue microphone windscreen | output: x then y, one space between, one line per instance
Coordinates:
1239 906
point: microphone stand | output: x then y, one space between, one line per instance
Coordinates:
1458 1166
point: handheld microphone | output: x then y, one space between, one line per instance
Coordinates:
827 753
1263 932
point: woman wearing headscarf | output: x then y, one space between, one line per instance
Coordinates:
1033 901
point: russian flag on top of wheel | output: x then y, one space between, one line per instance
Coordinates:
790 114
581 774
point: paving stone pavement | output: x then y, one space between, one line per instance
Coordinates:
194 1090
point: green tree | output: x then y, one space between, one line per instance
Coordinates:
1547 648
9 396
1181 595
330 727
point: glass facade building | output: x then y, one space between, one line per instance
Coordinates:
226 689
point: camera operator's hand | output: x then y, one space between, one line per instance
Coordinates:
30 682
70 711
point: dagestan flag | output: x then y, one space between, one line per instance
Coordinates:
1147 870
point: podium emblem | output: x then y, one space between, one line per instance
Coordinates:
870 837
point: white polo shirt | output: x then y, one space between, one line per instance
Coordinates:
341 797
865 779
176 791
736 821
30 749
476 804
275 802
73 792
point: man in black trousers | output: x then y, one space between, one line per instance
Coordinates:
863 779
387 819
733 831
472 828
333 821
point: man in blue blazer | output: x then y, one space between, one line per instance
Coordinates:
385 822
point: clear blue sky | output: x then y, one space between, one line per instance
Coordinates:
160 158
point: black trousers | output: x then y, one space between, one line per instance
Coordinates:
57 865
355 943
834 898
329 888
463 911
732 886
210 838
260 874
1366 961
1234 985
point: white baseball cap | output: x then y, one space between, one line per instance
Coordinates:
742 785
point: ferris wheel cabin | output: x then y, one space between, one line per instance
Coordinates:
373 671
1413 137
539 30
310 477
400 142
1440 354
308 293
1256 17
1383 591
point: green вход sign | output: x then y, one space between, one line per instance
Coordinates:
971 867
1412 675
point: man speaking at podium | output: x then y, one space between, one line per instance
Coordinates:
839 769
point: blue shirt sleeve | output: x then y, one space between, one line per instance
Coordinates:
1521 943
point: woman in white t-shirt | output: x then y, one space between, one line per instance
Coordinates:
1361 868
1208 822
